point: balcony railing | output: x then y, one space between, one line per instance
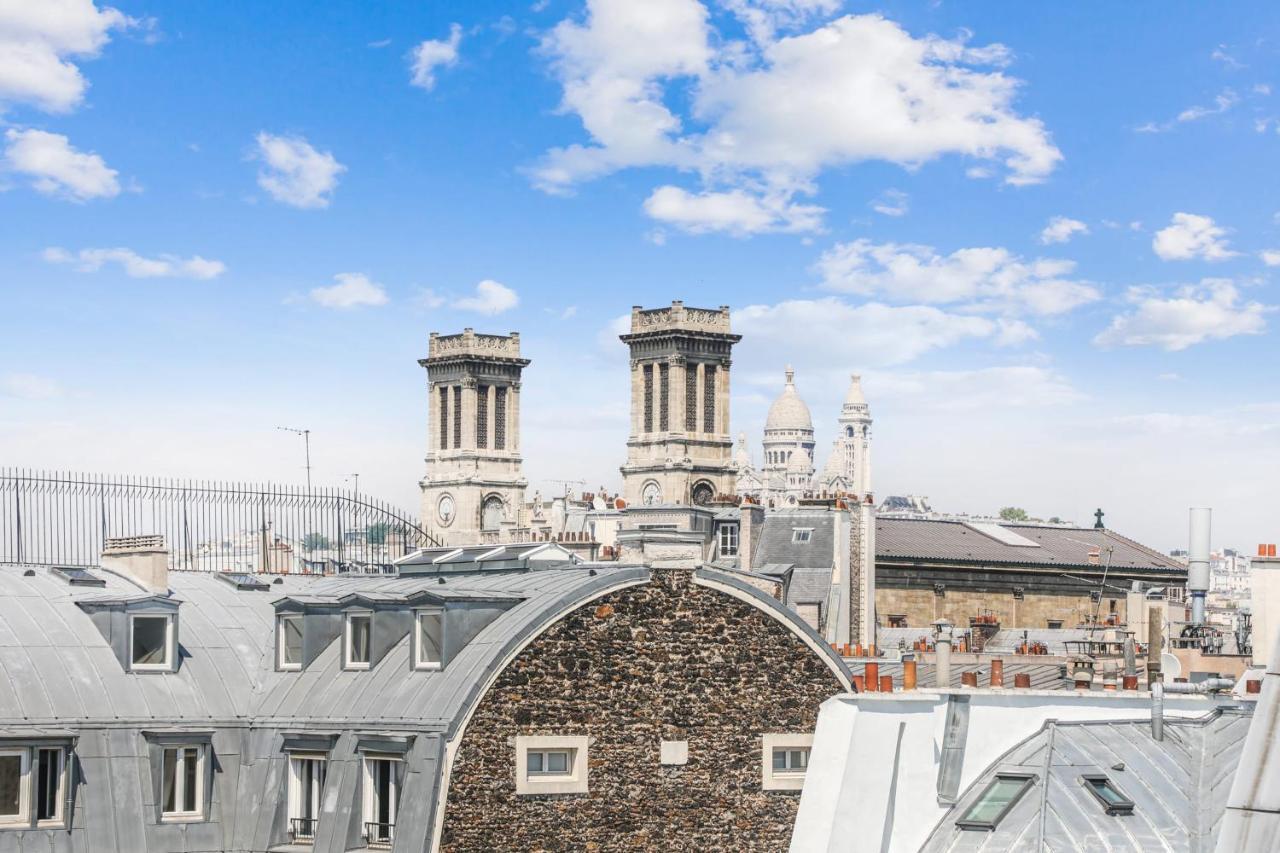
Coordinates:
378 835
302 829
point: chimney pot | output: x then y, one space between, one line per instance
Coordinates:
1022 680
886 684
1253 685
969 679
909 675
871 672
997 672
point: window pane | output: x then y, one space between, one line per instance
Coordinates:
993 801
292 628
149 645
10 784
169 774
779 759
1104 789
557 762
191 786
535 762
47 784
799 759
359 639
431 632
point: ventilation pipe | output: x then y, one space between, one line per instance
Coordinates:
1198 569
942 652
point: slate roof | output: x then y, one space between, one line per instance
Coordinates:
928 540
1179 788
776 545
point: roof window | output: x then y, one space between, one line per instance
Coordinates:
1113 801
801 534
996 801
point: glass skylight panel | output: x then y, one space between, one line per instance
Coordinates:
1106 793
996 801
1001 534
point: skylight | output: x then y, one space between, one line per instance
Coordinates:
1001 534
996 801
1106 793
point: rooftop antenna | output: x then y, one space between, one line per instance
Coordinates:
355 479
306 437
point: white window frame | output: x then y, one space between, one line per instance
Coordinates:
281 663
729 532
348 633
23 817
572 782
169 650
180 815
783 780
295 787
807 537
60 796
368 806
419 659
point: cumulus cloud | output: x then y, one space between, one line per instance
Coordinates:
491 298
294 172
1061 229
1270 257
56 168
734 212
1191 236
353 290
1211 310
984 279
135 265
430 55
768 118
40 40
891 203
28 386
871 333
763 18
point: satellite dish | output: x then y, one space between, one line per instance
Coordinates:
1170 666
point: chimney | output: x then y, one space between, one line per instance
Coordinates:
942 653
750 519
142 559
1198 569
1264 580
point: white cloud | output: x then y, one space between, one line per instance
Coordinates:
1263 89
1270 257
734 212
429 55
137 266
491 298
56 168
891 203
1220 54
294 172
988 389
1061 229
1211 310
769 118
1191 236
28 386
989 279
38 41
871 333
1222 102
353 290
763 18
429 298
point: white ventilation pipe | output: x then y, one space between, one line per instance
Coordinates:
1198 562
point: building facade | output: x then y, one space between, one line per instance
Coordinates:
680 450
474 487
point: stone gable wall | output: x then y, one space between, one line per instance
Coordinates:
668 660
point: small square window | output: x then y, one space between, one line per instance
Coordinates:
182 783
151 642
1053 624
429 653
790 760
786 759
995 802
801 534
551 764
1113 801
289 631
359 630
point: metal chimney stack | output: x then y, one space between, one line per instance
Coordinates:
1198 562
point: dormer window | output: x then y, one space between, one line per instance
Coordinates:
429 640
801 534
728 540
151 643
289 642
357 648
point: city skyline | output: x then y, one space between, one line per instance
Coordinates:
1057 282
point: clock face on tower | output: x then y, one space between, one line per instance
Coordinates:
652 495
445 510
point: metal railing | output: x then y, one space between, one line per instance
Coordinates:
302 829
378 834
63 519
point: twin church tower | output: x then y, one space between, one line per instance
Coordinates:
680 449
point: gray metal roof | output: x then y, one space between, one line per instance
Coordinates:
1179 788
777 545
954 541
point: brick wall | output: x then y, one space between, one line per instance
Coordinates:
667 660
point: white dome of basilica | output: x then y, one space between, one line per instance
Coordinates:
789 412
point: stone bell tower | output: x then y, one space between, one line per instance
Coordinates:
680 450
474 488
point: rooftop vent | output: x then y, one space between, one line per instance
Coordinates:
242 581
76 577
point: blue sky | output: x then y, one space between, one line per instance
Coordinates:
1041 234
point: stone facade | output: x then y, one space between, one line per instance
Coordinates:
474 488
1034 609
669 660
680 450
